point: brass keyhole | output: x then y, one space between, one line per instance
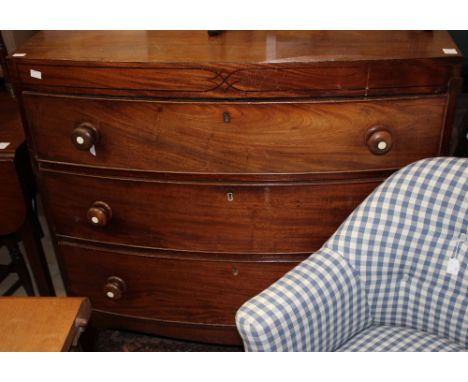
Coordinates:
235 271
226 117
230 196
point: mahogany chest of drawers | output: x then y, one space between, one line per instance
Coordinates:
182 173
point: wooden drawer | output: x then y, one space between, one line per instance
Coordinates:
251 81
188 291
239 138
202 217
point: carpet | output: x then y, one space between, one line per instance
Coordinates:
123 341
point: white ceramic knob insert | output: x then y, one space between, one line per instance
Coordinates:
382 145
79 140
95 220
110 294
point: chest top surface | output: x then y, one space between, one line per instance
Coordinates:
236 46
236 64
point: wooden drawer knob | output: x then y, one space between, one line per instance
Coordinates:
84 136
99 214
115 288
379 141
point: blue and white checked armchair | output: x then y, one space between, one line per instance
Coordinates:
394 277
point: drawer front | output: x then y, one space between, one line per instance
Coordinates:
260 81
200 217
189 291
250 81
240 138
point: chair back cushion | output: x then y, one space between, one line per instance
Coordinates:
408 243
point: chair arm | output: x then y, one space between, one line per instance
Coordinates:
317 306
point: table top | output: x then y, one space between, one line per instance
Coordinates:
41 323
236 46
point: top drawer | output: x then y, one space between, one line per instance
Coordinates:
235 138
257 81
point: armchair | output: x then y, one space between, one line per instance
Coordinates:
394 276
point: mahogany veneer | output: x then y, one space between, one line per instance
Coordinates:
257 137
182 173
221 217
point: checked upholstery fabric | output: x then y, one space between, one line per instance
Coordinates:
394 276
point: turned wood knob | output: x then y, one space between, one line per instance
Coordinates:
379 140
115 288
84 136
99 214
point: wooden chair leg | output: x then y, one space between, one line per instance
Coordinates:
30 235
19 267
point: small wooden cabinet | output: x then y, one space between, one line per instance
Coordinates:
183 173
18 217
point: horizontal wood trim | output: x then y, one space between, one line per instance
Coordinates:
215 178
159 253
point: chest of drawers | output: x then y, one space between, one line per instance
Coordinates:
182 174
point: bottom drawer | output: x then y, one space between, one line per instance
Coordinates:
191 291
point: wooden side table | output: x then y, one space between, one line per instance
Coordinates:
42 323
17 195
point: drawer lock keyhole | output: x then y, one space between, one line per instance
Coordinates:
230 196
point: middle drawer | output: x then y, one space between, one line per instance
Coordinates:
264 218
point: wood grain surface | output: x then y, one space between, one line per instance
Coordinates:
234 46
267 137
185 291
246 150
194 216
237 64
39 324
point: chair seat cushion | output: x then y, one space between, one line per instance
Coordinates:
381 338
